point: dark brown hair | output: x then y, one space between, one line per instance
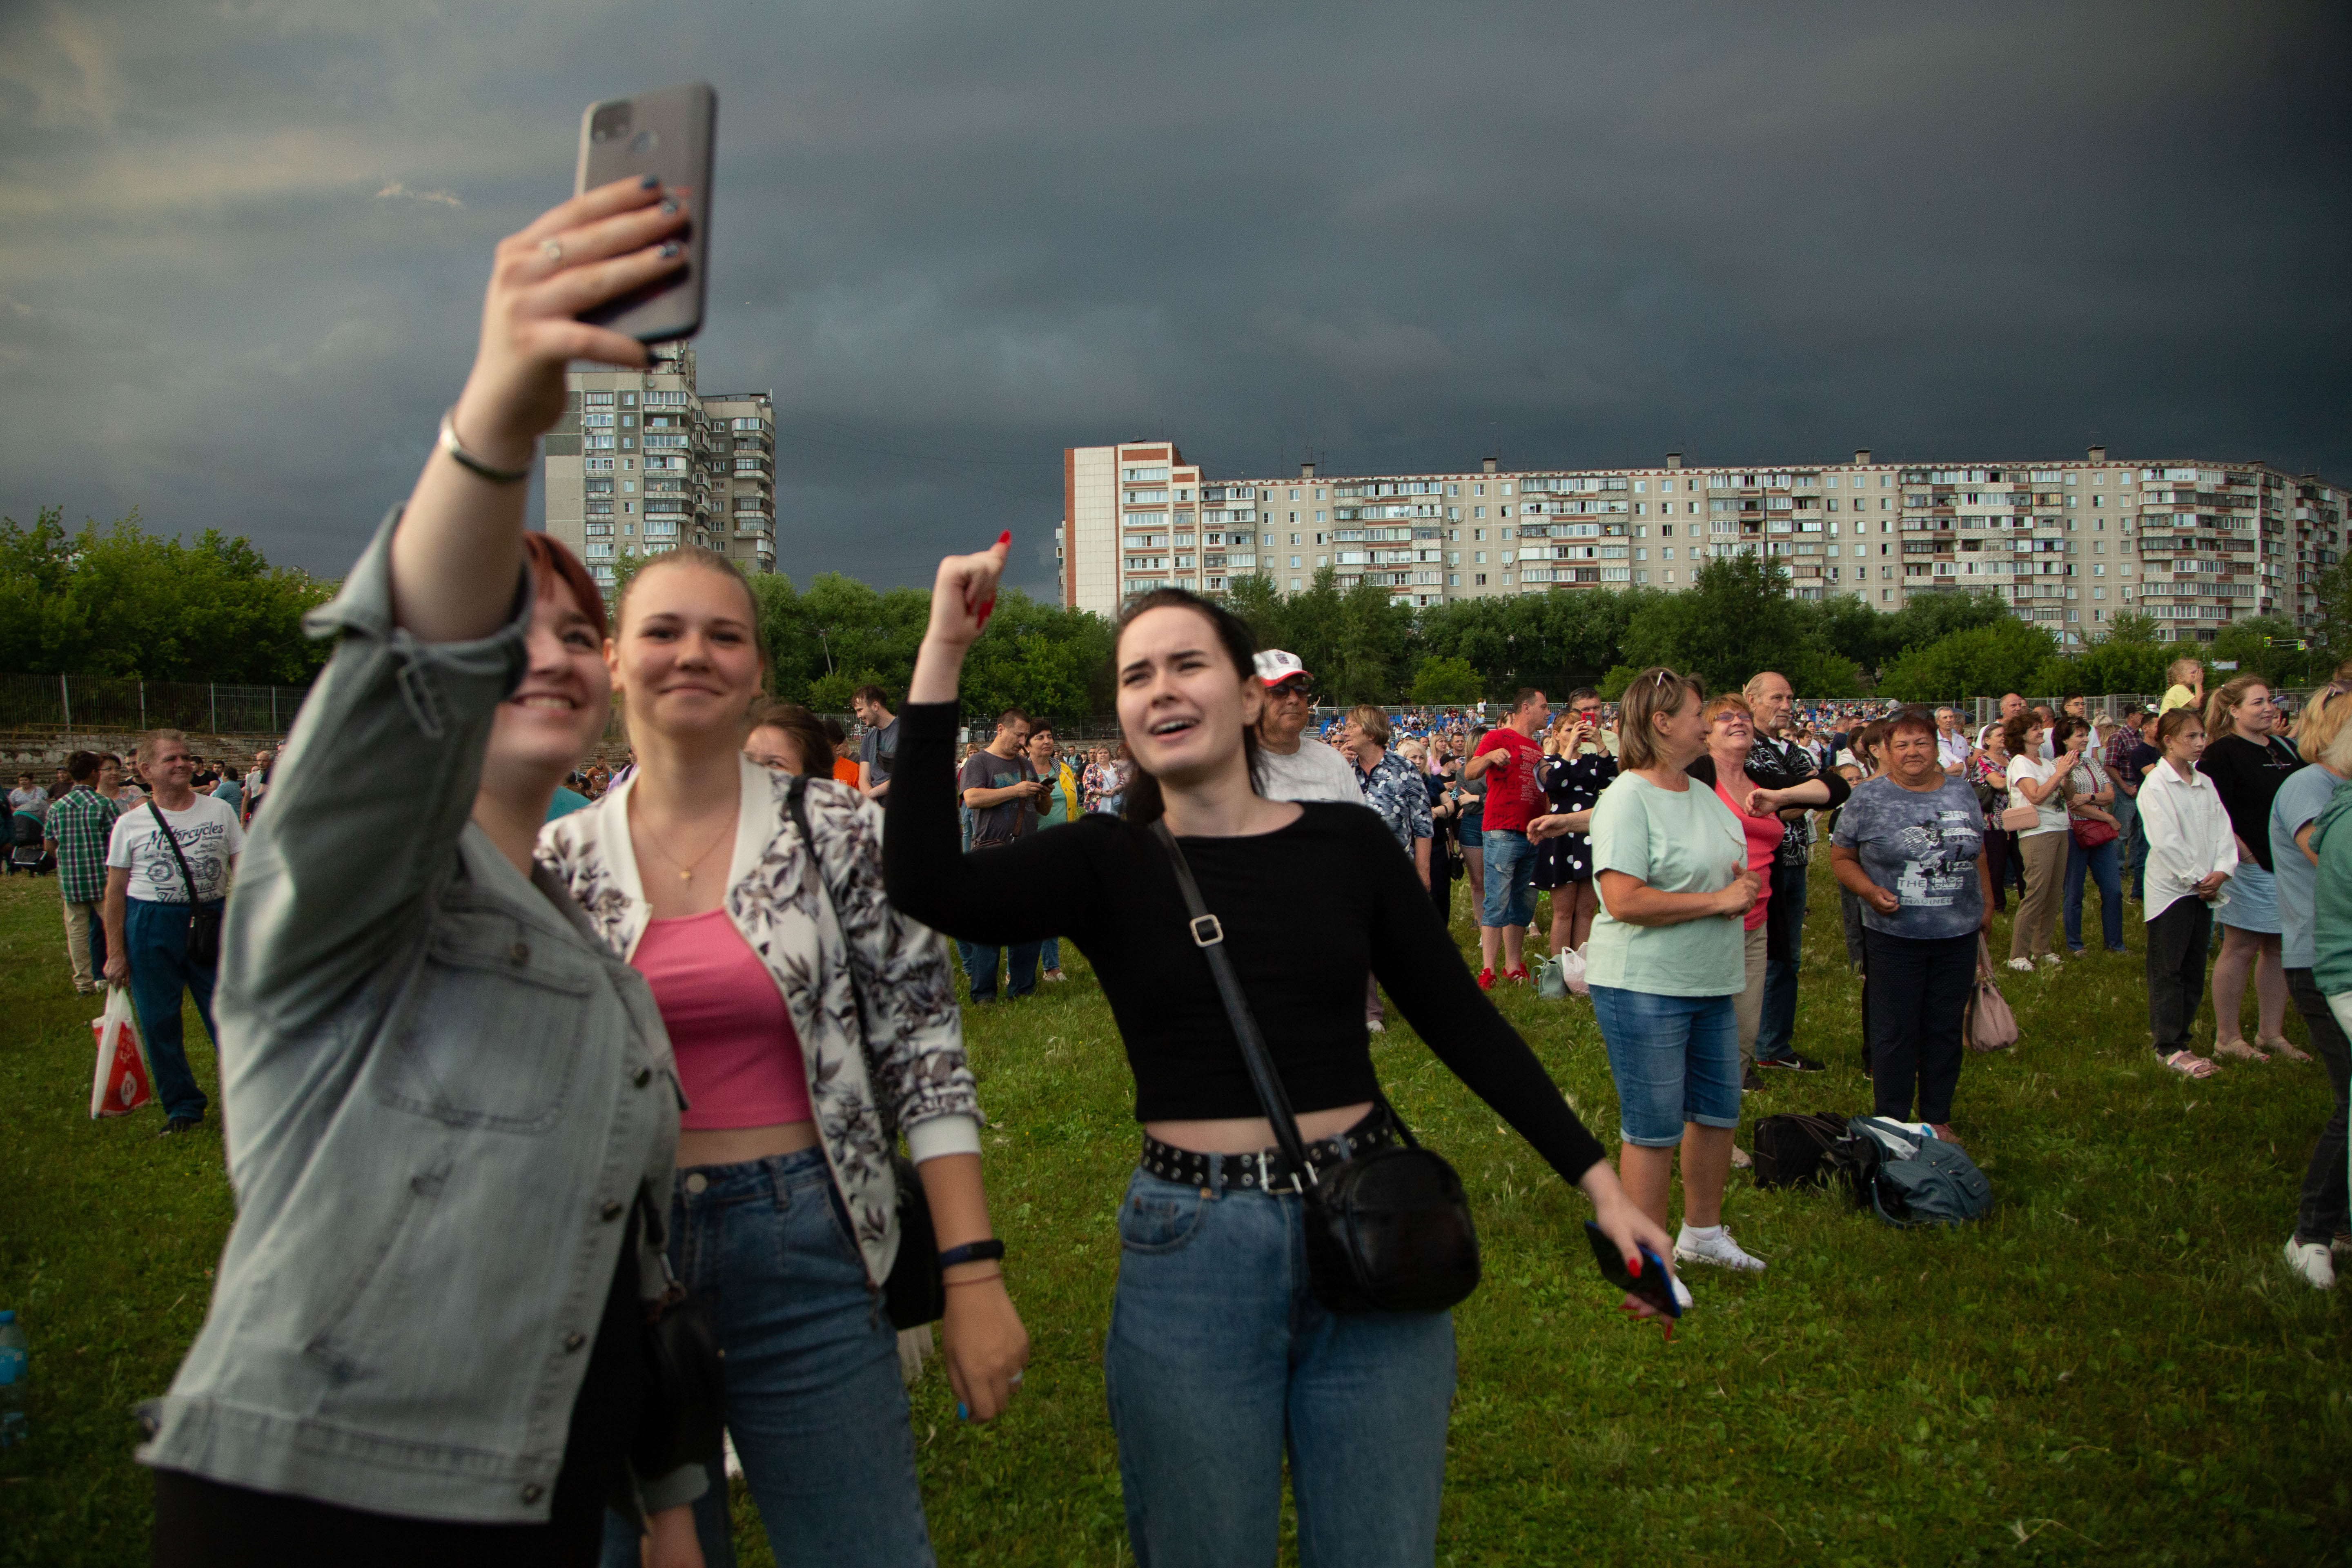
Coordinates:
800 726
1911 716
1144 805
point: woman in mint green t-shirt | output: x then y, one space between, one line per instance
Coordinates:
1666 963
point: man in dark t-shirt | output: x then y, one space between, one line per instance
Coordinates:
1004 793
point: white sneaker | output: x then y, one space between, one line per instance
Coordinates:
2308 1258
1693 1245
2051 960
1682 1291
2022 965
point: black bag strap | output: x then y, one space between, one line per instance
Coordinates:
1208 936
174 841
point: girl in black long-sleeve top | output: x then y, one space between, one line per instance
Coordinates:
1218 1357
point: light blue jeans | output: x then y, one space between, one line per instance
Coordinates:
814 1400
1220 1362
1511 878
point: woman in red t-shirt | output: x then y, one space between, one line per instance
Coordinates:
1730 736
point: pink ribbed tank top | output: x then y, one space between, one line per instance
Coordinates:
739 1059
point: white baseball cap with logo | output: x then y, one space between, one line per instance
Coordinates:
1274 667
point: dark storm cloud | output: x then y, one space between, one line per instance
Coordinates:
244 241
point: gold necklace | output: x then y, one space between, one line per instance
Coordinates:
686 868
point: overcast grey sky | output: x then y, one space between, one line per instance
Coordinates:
242 242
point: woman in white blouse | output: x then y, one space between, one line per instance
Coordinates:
2042 847
2191 851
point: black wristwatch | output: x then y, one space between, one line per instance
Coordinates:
972 1252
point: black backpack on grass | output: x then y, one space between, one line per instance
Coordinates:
1906 1179
1792 1149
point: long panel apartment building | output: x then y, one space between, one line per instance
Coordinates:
2076 541
643 462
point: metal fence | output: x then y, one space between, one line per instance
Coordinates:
71 704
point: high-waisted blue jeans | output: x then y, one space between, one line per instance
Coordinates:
2100 866
815 1399
1219 1364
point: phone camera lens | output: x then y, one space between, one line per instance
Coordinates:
609 122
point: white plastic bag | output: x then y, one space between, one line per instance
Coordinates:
1571 970
121 1083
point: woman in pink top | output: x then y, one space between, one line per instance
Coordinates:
1730 736
813 1026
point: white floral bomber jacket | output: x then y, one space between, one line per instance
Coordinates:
870 992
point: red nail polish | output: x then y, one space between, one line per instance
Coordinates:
985 611
1634 1265
1004 538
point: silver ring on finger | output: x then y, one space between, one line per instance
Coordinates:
553 250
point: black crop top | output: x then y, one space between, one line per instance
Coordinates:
1307 910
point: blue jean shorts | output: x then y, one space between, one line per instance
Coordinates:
2254 900
1676 1060
1511 879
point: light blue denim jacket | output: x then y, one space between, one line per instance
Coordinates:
441 1094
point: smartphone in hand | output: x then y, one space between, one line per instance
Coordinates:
1652 1285
669 134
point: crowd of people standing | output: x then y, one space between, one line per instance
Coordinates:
621 1107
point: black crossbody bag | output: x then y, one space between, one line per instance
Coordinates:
1388 1231
917 1292
204 924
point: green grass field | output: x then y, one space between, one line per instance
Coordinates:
2115 1367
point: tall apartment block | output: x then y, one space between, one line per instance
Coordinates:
643 462
2074 543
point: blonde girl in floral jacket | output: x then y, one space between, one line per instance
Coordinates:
812 1025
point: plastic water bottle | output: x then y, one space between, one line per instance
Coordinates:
14 1367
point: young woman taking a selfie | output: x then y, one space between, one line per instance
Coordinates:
812 1023
1222 1359
446 1106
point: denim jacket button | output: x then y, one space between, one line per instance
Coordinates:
533 1492
612 1210
574 1339
643 1076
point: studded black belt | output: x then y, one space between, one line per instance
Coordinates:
1267 1170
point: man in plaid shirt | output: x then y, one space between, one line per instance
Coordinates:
76 830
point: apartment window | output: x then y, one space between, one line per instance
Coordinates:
1294 585
1479 557
1482 579
1294 496
1477 512
1668 576
1294 538
1293 564
1666 555
1453 579
1477 489
1477 533
1666 531
1319 517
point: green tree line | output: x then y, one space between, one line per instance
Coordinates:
120 600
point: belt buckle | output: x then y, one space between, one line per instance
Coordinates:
1266 1178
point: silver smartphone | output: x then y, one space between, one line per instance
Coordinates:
668 133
